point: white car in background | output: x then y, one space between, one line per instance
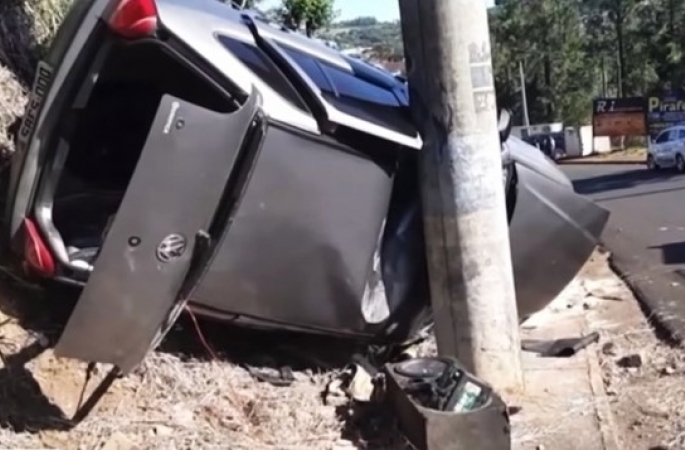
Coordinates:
668 149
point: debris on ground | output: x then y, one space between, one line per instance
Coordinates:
633 361
643 376
178 398
556 348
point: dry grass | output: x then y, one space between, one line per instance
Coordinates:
26 28
12 101
178 398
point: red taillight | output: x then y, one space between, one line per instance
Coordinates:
37 255
134 18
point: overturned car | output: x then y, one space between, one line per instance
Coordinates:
177 152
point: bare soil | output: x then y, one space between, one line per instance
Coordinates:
644 376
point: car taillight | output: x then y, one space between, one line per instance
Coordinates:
37 255
134 18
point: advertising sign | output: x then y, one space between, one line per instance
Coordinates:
664 111
619 117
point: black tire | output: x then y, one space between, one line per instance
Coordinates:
651 165
680 163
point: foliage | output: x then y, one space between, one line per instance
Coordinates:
251 3
547 37
385 38
312 14
573 50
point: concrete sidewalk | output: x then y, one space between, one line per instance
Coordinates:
565 406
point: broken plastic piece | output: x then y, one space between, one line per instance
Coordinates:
462 418
36 253
562 348
283 378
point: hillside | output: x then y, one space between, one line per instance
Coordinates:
385 38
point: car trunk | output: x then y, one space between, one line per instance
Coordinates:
140 179
102 135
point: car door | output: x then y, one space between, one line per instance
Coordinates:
661 147
174 207
671 146
164 234
679 147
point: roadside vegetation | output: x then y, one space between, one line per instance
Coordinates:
26 28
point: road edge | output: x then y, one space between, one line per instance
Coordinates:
608 162
604 414
661 314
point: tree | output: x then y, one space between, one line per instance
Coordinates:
249 3
619 16
312 14
546 36
320 13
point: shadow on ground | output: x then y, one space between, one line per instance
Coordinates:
24 406
621 180
364 423
600 199
672 253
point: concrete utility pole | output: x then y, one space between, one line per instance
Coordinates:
449 66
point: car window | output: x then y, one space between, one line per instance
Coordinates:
264 68
673 135
310 67
339 82
663 137
348 85
681 134
354 95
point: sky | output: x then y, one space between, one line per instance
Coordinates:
383 10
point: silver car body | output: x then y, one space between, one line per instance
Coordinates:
296 211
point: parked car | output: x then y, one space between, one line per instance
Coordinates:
177 151
667 150
559 143
551 145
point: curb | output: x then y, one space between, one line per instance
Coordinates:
605 417
666 317
600 162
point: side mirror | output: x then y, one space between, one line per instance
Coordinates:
504 125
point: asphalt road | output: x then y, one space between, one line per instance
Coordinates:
646 233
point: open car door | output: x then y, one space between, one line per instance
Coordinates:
173 212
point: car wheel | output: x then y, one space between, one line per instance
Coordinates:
680 163
651 164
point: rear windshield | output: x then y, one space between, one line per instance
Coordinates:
262 66
355 95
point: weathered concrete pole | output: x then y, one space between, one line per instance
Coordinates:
449 66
